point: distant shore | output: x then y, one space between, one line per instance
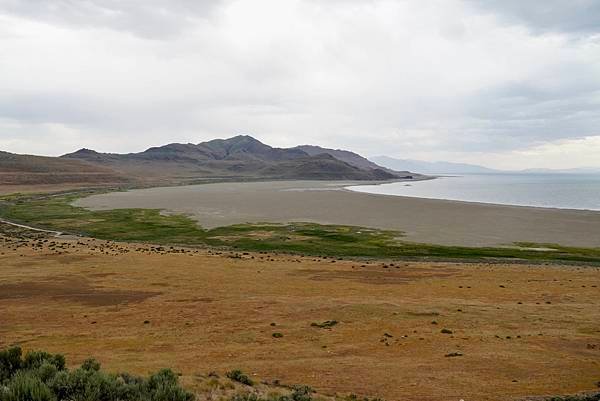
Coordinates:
327 202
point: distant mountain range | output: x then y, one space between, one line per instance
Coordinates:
583 170
425 167
442 167
238 158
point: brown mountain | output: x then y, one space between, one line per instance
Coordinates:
240 157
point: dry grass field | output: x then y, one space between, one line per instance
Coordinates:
514 330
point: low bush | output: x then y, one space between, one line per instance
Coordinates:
40 376
240 377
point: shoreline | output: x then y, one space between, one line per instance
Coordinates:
422 220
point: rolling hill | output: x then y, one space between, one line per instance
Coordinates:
39 170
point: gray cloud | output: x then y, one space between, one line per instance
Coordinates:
578 17
412 79
153 19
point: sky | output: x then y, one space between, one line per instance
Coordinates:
504 83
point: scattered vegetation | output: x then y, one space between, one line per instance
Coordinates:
40 376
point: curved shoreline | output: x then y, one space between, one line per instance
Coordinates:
421 220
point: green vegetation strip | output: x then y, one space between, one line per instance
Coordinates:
149 225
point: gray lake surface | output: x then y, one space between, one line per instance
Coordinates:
563 191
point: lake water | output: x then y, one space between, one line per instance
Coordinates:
563 191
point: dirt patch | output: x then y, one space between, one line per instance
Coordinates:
74 290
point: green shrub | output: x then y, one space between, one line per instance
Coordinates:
90 365
26 387
302 393
240 377
41 376
10 362
46 372
163 386
35 359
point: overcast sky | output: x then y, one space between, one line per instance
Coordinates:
505 83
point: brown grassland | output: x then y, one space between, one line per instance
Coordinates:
516 330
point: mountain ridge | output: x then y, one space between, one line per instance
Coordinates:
238 157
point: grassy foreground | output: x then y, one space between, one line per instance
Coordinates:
149 225
41 376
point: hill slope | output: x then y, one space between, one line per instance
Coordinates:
343 155
38 170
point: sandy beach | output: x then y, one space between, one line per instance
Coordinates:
421 220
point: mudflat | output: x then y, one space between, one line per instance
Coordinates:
413 331
421 220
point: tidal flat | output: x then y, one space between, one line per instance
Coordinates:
428 221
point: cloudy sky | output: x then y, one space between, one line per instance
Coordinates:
505 83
